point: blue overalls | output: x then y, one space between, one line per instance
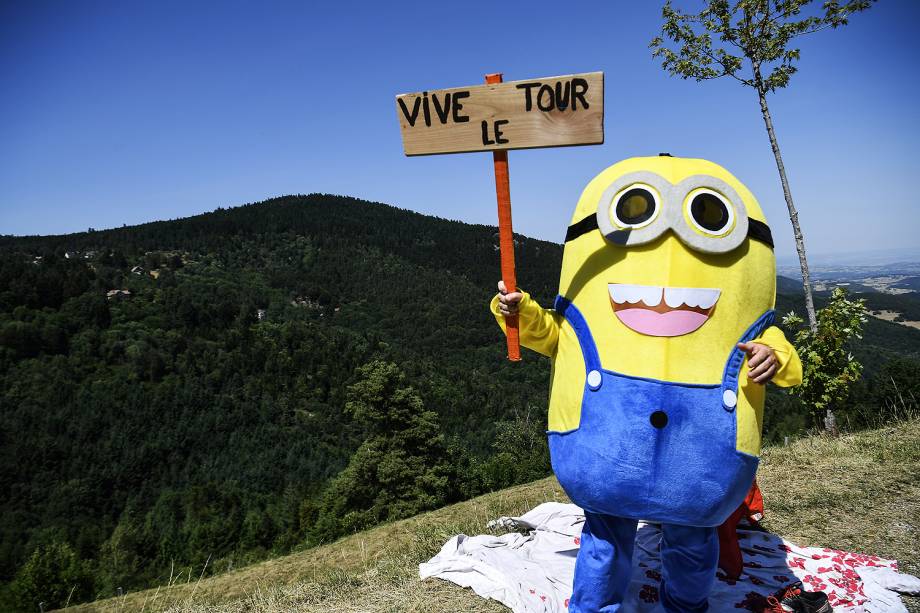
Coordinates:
657 451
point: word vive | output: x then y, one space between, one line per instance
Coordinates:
547 112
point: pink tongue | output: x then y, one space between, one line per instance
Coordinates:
672 323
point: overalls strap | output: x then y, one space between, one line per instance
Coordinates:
736 359
578 323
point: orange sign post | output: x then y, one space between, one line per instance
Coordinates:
506 237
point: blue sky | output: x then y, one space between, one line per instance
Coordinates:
125 112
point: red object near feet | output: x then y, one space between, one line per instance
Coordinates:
730 559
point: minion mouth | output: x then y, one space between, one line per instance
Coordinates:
662 311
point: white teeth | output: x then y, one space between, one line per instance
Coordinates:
651 295
621 293
700 297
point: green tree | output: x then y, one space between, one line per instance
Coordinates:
829 369
520 452
53 575
402 466
121 556
892 394
752 46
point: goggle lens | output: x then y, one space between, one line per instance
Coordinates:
709 212
635 207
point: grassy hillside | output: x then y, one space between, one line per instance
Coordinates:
860 493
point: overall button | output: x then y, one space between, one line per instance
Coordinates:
594 380
729 399
659 419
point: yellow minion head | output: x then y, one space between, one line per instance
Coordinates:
670 261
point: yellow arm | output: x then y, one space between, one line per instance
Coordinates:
752 395
789 372
539 327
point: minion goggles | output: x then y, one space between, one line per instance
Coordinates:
704 212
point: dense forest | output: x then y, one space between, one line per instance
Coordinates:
205 392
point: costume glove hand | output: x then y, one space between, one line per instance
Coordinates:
508 303
762 362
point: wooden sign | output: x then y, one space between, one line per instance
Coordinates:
548 112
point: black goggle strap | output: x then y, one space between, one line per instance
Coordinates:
757 230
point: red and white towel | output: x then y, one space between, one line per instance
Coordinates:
531 570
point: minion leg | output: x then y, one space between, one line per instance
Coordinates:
604 564
689 557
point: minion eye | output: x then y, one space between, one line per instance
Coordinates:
635 207
709 212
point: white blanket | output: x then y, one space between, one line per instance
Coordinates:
533 571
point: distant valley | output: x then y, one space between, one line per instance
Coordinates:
891 291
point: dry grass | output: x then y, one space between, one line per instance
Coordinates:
859 492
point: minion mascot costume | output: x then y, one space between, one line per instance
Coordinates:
668 267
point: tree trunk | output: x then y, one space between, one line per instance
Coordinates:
830 420
793 214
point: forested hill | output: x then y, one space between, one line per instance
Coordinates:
202 413
184 392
